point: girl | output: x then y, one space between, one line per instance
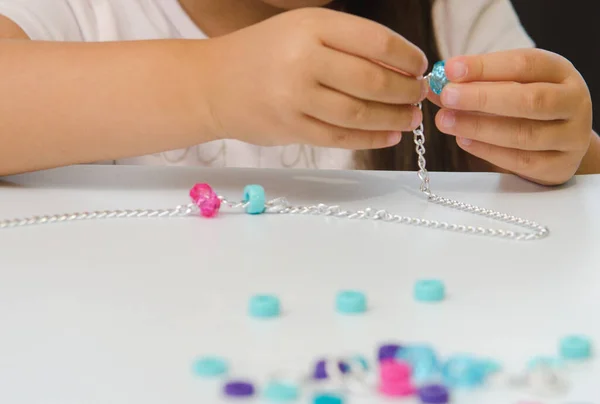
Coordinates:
286 83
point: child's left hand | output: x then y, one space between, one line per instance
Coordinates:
527 111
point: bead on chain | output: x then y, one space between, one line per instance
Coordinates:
207 203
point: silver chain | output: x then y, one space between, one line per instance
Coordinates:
280 205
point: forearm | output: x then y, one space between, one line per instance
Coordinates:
591 161
69 103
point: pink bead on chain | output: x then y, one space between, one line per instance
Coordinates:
206 199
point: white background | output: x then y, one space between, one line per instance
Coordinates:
115 312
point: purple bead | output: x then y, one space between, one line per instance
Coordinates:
239 389
434 394
388 351
321 373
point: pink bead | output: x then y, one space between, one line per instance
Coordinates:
395 378
205 198
392 370
397 389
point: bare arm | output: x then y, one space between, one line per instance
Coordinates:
70 103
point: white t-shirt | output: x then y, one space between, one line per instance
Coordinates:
461 27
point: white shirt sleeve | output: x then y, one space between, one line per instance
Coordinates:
48 20
467 27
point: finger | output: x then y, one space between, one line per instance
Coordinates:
521 65
366 80
515 133
343 110
367 39
323 134
540 101
434 98
549 167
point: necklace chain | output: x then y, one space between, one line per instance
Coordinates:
281 206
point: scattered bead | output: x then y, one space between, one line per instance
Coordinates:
281 392
206 199
400 389
254 195
321 369
264 306
328 399
429 291
438 79
239 389
490 366
575 347
395 379
463 371
351 302
388 351
210 367
391 370
434 394
423 360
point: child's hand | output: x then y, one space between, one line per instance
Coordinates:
309 76
526 111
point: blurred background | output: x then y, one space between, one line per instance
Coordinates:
570 28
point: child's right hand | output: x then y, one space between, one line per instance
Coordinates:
309 77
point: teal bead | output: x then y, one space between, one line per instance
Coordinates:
210 367
438 79
254 195
423 360
463 371
351 302
429 291
575 347
490 366
328 399
264 306
281 392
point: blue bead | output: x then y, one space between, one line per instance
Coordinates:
264 306
463 371
434 394
438 79
210 366
429 291
328 399
423 360
490 366
351 302
281 392
239 389
575 347
255 196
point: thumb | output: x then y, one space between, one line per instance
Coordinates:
434 98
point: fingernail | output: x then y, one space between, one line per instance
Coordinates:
458 71
394 138
450 96
448 119
464 141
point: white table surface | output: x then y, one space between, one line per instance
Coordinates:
114 312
